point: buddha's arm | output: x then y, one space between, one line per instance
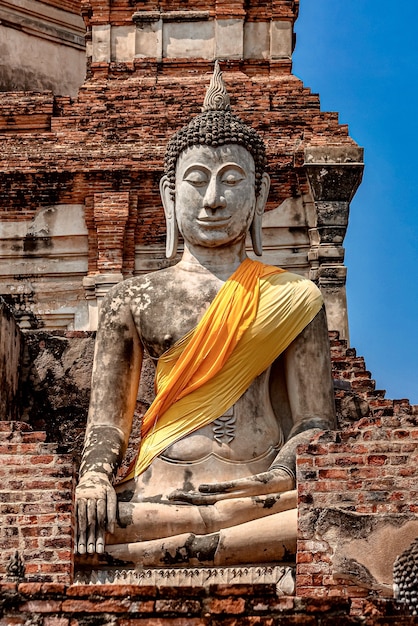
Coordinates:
309 387
116 370
311 398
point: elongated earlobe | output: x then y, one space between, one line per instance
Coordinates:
256 226
170 218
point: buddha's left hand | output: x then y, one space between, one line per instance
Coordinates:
272 481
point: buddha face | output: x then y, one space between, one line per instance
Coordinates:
215 194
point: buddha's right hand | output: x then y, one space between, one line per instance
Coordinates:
95 512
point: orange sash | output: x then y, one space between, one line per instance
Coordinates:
256 314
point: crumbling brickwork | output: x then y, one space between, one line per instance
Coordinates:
36 508
354 479
219 605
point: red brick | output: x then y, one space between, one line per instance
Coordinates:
336 474
304 557
230 606
163 621
41 606
56 621
377 459
100 606
177 606
29 588
81 591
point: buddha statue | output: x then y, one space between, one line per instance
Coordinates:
243 373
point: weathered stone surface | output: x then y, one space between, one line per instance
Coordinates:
364 547
54 35
56 384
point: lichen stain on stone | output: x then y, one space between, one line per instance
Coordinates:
144 303
195 548
115 304
33 243
187 483
267 502
147 475
147 284
128 510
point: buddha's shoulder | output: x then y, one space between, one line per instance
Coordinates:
142 283
295 281
173 276
158 285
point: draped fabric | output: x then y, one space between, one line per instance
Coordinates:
257 313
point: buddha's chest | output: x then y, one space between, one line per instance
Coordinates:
172 313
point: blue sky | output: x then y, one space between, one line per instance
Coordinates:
361 56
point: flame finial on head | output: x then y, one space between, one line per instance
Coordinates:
217 98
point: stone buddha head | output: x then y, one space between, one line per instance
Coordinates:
215 188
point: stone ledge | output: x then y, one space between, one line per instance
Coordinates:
280 577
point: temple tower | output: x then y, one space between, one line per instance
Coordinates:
80 207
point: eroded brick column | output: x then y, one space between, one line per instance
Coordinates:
111 212
110 217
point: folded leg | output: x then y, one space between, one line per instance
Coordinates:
266 540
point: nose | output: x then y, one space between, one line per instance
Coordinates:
214 198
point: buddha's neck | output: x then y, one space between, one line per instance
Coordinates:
222 262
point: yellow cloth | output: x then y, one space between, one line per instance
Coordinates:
257 313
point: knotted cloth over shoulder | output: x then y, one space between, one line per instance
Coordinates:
255 316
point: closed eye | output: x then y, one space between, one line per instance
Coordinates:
232 179
197 178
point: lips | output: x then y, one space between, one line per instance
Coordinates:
213 221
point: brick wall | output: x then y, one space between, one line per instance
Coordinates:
50 604
55 152
36 486
112 140
367 471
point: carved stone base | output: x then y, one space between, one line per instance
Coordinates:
283 576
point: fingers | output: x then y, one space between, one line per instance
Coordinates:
111 506
100 525
95 514
81 521
91 526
